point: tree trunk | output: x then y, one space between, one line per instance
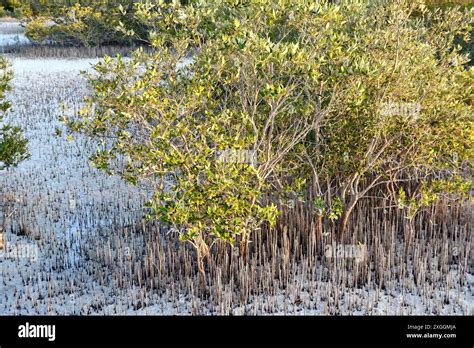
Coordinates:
244 243
345 219
319 226
244 248
202 271
202 251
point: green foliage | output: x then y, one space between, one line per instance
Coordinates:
336 209
448 3
79 24
250 87
402 57
13 146
302 86
319 206
90 23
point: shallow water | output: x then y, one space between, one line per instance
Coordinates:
12 33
